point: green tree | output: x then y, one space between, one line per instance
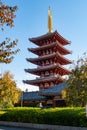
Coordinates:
76 92
7 15
9 92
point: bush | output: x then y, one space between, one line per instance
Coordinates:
55 116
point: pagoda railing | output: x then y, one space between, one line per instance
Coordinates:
38 67
39 78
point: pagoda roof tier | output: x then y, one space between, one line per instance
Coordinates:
49 37
55 67
55 45
32 96
56 56
38 81
54 90
43 93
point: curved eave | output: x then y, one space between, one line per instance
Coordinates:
43 80
59 58
50 36
37 40
62 71
54 90
58 46
62 50
61 39
41 69
36 50
32 96
62 60
58 68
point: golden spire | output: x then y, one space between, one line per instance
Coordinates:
49 20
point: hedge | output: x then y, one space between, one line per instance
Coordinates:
54 116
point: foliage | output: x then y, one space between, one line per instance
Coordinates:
6 47
76 92
6 52
9 93
53 116
7 15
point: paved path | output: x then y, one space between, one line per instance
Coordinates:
14 128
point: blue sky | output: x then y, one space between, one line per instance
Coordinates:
69 19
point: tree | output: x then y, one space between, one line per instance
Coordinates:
6 47
76 92
6 52
9 93
7 14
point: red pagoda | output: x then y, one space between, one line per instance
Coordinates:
51 59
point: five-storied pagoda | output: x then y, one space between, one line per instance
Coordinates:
50 63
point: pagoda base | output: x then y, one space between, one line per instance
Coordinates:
51 97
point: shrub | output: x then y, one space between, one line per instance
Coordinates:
55 116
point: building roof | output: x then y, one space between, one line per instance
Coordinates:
59 58
42 94
52 45
54 90
51 37
55 67
32 96
38 81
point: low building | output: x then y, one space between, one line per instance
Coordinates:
51 97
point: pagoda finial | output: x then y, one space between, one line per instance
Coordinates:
49 20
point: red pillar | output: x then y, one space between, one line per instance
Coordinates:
54 103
